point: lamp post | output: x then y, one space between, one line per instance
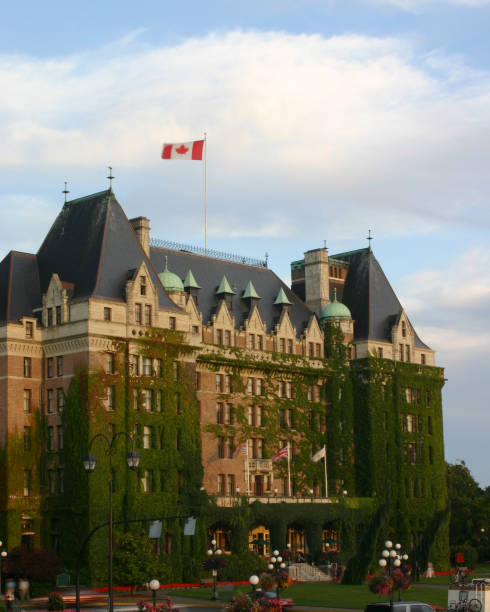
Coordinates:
3 555
392 558
276 565
89 463
154 586
254 581
214 552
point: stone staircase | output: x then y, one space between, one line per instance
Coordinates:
308 573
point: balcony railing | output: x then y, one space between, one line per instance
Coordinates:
260 465
228 501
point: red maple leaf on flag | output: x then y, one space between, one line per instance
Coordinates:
182 150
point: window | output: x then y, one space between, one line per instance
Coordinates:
134 365
142 285
29 329
282 388
176 370
50 317
221 483
431 455
221 447
284 418
219 414
380 352
135 395
110 363
228 383
147 314
318 349
251 341
258 416
407 352
59 366
229 447
50 401
427 398
147 436
27 401
250 415
27 438
147 481
422 359
61 480
219 383
27 483
60 400
401 352
50 367
172 323
145 399
259 386
429 425
250 386
147 366
107 313
178 405
311 349
111 398
138 313
229 415
227 337
219 336
51 444
58 315
282 345
230 484
27 367
404 330
195 329
51 482
290 346
61 442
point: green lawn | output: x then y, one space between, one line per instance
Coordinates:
330 595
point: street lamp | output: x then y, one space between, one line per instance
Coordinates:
277 567
392 557
89 463
214 552
154 586
254 581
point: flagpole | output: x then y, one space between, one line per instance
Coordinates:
325 465
289 472
205 201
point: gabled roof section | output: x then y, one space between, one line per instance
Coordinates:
190 282
250 292
19 286
210 272
281 298
370 298
92 245
224 287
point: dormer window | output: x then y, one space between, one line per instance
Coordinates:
58 315
50 317
29 329
142 285
404 329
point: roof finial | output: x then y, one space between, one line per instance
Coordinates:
65 191
369 238
325 245
335 294
110 177
166 262
266 259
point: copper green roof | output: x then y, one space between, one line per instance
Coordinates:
250 292
335 310
281 298
190 282
169 280
224 287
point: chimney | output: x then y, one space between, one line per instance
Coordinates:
141 226
316 279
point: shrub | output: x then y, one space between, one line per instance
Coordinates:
470 555
55 602
241 567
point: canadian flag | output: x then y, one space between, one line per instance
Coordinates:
183 150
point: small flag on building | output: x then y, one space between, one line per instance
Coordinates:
284 452
240 449
318 455
183 150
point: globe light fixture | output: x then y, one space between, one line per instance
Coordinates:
382 562
388 544
385 553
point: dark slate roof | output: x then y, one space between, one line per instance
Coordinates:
92 245
209 272
370 298
19 286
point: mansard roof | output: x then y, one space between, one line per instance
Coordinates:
370 298
211 271
19 286
92 245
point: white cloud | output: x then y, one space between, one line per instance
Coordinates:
352 120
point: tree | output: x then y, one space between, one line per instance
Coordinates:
38 565
134 561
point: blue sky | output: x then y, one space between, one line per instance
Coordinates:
324 119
